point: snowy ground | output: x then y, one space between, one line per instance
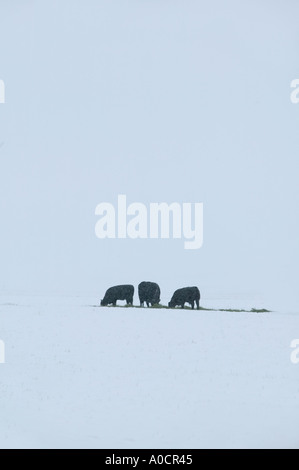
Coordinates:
83 376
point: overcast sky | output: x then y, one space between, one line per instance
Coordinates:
164 101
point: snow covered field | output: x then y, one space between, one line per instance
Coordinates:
82 376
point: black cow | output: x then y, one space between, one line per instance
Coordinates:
124 292
149 292
186 294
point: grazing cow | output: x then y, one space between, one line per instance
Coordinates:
186 294
148 292
124 292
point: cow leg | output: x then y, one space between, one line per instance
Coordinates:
183 305
192 304
197 304
147 303
114 303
